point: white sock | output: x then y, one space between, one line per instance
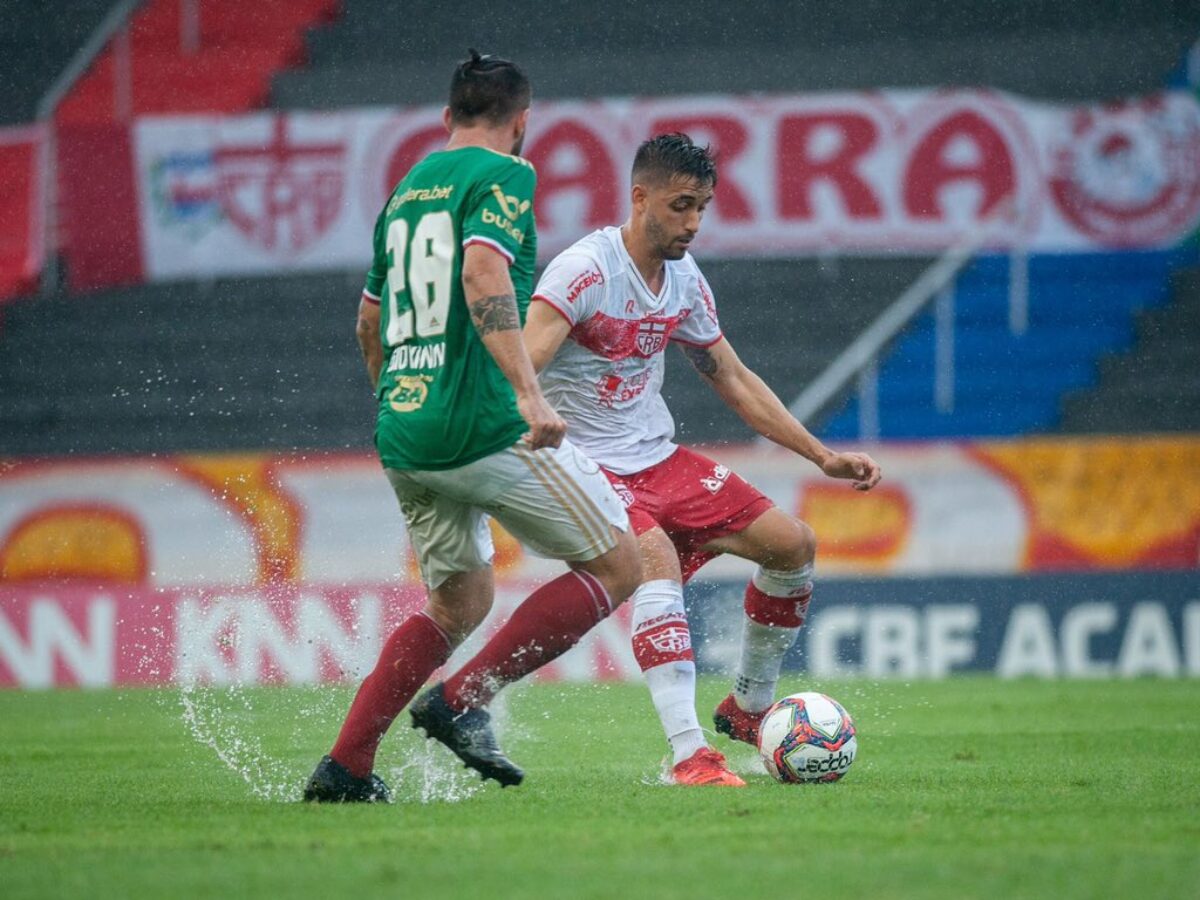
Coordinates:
662 645
763 645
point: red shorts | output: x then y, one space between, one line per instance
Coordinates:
693 499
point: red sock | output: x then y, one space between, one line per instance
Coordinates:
410 656
549 623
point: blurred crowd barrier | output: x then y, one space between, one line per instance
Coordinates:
267 567
913 171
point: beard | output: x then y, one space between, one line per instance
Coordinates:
662 242
519 143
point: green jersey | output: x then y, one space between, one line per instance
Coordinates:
443 401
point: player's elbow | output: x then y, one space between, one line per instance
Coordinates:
362 329
367 333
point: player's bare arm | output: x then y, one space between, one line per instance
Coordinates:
492 302
367 332
545 330
760 408
495 313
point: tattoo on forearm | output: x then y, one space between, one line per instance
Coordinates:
495 313
699 357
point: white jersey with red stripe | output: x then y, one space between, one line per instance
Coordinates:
606 379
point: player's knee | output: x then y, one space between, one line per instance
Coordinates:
620 569
628 566
458 619
796 549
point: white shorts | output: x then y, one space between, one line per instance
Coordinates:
555 501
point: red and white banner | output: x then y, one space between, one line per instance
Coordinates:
888 171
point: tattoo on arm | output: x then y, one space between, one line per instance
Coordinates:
495 313
701 358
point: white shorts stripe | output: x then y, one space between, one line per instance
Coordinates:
571 504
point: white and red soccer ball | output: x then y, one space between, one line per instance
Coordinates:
807 737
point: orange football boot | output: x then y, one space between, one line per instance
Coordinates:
706 767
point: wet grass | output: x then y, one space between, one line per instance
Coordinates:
967 788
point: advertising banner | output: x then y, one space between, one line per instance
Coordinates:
1078 625
1095 625
54 635
1040 557
909 171
1000 507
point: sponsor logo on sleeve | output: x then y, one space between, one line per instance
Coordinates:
709 306
509 205
510 210
581 283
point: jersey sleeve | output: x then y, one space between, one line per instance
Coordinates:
500 214
573 284
701 327
377 274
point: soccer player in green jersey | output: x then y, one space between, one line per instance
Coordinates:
464 433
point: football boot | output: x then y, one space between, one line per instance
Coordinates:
706 767
332 782
730 719
468 735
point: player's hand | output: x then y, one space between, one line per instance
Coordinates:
858 467
546 427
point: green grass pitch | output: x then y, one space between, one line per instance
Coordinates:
966 788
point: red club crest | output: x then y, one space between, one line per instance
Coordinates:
282 195
1129 174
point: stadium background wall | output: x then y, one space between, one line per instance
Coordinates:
1046 557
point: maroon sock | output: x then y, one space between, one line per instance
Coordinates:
410 656
550 622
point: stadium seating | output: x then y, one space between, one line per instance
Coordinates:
1040 48
187 367
1156 387
787 319
35 48
1080 308
153 369
240 47
202 367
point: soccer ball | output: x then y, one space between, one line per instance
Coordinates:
807 737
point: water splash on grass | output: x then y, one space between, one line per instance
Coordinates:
212 716
223 719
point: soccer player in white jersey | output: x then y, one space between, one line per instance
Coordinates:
604 312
